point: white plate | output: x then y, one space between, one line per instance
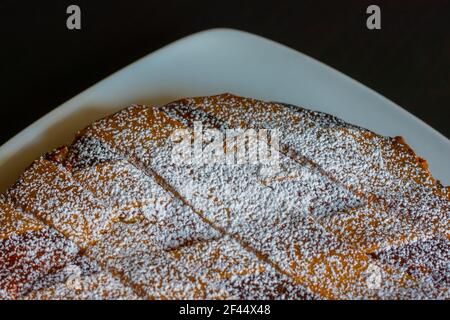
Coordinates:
224 60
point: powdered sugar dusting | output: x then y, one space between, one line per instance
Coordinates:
343 207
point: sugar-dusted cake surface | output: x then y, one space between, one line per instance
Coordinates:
343 214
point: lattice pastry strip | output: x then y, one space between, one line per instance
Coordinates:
29 250
134 131
81 279
356 157
48 191
208 269
130 193
427 260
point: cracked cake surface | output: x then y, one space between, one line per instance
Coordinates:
344 214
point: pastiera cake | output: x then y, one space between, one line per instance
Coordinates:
338 212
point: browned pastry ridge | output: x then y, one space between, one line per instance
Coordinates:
346 213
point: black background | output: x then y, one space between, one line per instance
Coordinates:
43 64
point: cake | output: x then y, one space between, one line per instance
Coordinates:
316 209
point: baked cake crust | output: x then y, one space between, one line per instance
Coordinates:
345 214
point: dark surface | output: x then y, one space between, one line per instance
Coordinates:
43 63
